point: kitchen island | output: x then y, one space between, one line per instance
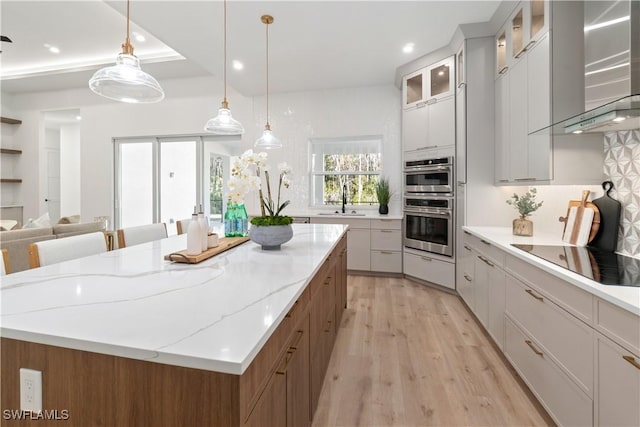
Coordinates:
126 338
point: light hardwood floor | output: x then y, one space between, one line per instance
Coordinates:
410 355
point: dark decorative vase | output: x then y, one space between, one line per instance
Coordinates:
383 209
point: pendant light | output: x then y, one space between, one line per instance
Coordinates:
224 123
125 81
267 140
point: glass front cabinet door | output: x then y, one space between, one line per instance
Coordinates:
527 25
414 89
441 79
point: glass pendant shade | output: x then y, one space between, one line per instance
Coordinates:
224 123
126 82
267 140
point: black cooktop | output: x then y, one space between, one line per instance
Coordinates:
606 268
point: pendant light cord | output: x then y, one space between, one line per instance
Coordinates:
126 47
267 25
225 51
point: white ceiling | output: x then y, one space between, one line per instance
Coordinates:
313 44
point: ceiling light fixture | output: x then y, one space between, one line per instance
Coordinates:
139 37
237 65
224 123
408 48
125 81
267 140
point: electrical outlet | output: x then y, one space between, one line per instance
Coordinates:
30 390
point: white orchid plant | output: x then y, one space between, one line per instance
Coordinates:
246 176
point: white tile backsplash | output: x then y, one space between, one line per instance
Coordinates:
297 117
622 167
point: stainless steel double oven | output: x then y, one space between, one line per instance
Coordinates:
428 204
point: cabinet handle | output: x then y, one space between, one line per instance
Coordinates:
503 70
386 252
385 220
467 233
530 292
421 104
524 179
528 46
295 346
289 356
467 247
503 180
432 101
632 360
467 278
387 231
486 261
519 54
535 350
428 147
461 84
293 309
328 326
485 242
327 281
424 258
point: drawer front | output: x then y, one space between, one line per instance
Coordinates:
351 222
573 299
386 240
430 269
562 336
564 401
386 224
618 324
486 249
386 261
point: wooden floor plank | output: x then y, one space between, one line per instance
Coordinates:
410 355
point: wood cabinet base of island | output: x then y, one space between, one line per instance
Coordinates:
281 387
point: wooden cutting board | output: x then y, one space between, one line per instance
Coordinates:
582 221
225 243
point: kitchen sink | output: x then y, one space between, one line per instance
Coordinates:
341 214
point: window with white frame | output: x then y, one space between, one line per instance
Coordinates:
353 164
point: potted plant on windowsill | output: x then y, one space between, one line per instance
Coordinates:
271 229
383 193
526 205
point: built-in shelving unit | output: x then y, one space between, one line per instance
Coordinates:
9 121
9 151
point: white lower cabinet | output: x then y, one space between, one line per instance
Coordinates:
618 385
579 354
430 269
358 248
562 398
372 244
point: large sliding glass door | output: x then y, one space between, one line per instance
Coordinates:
162 179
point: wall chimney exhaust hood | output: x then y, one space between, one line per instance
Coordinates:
611 71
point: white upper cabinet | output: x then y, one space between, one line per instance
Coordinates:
414 89
502 59
429 116
528 23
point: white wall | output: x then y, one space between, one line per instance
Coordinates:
189 103
297 117
70 178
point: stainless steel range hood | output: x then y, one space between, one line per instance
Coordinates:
611 70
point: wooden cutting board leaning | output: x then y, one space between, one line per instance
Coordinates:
607 237
582 221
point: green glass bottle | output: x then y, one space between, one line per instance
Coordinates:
242 221
230 220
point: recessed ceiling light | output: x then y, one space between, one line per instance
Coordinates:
237 65
78 117
52 49
577 132
408 48
139 37
619 119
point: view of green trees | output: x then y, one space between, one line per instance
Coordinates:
360 187
216 187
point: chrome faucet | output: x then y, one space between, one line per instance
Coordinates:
344 197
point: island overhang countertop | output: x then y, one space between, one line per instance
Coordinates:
215 315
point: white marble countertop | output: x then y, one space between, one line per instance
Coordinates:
215 315
626 297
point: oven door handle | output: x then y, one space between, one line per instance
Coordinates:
442 213
419 169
